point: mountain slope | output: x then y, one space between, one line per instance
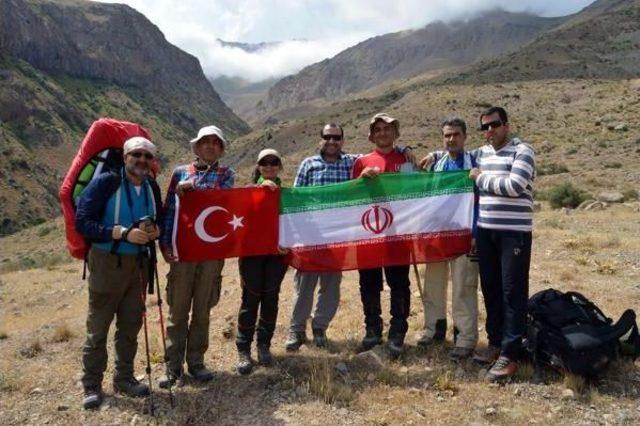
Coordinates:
398 55
602 41
64 64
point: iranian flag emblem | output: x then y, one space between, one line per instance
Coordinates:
393 219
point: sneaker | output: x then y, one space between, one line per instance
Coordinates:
264 355
441 330
169 379
93 397
319 338
458 353
502 369
295 340
201 373
371 339
487 356
245 363
131 387
395 346
425 341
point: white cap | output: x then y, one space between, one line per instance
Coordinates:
208 131
267 152
138 142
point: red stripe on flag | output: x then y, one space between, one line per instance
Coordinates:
389 251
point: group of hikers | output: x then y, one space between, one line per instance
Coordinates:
115 212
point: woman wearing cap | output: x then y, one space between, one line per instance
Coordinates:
193 288
261 277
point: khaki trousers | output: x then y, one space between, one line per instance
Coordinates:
114 291
464 298
193 288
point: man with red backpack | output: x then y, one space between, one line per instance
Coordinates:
109 214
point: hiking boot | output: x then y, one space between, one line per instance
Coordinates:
201 373
502 369
131 387
425 341
319 338
264 355
295 340
395 346
372 338
487 356
169 379
93 397
245 363
441 330
458 353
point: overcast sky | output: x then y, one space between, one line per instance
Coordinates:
325 26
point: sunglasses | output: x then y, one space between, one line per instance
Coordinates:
141 154
336 138
274 163
490 126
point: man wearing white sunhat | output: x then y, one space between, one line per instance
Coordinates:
108 214
193 288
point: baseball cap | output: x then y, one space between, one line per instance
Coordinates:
383 116
267 152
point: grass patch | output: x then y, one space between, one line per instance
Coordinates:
324 382
606 268
32 349
566 195
552 169
62 333
8 382
445 382
631 194
3 335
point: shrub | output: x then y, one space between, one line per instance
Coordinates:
552 169
631 194
566 195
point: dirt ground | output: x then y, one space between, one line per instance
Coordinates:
43 308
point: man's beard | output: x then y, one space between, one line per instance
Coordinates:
137 170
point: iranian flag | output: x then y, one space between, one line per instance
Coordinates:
393 219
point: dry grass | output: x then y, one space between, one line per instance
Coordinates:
3 335
31 349
62 333
422 387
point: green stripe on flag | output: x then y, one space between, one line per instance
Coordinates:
386 187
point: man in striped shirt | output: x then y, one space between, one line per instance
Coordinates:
504 176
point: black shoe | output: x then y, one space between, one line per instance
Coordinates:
372 338
295 340
319 338
93 397
201 374
395 346
264 355
441 330
245 364
131 387
169 379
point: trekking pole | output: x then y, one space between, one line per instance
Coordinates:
146 336
418 283
162 330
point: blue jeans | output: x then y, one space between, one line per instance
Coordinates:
505 257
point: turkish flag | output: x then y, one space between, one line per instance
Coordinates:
221 223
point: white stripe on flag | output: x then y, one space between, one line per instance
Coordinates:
413 216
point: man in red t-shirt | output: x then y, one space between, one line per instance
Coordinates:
383 132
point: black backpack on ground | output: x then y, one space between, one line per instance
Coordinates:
568 332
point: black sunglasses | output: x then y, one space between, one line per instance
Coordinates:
274 162
336 138
140 154
492 125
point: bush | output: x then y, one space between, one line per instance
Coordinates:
566 195
552 169
631 194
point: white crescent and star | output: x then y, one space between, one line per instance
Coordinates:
236 222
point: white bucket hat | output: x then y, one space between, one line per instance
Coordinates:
208 131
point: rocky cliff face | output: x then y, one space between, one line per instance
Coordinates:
404 54
65 63
115 44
